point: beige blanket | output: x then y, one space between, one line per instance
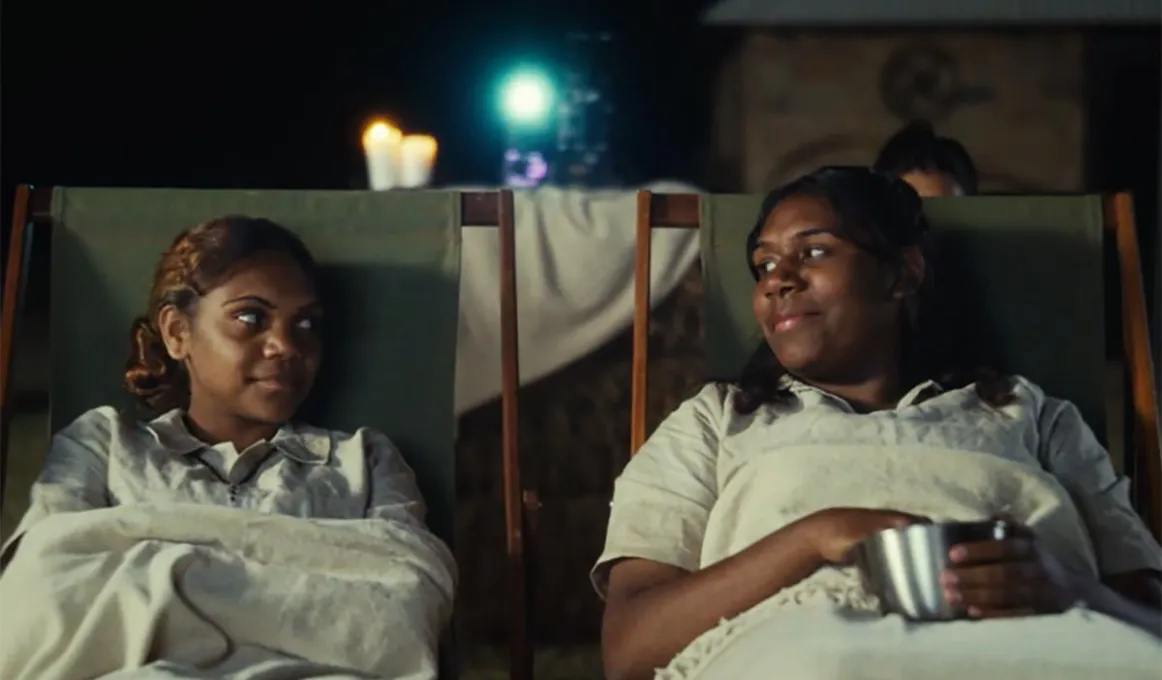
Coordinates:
827 627
818 642
195 591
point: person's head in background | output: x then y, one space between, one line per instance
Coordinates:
932 165
230 335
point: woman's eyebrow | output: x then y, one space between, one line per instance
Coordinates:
801 234
310 305
253 299
812 231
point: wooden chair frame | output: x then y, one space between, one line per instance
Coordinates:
32 218
683 211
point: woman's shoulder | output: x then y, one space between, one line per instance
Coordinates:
99 426
715 399
1027 391
708 411
1029 399
366 441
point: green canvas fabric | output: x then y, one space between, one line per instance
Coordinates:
1027 268
389 264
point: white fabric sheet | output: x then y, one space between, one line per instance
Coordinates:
574 261
190 591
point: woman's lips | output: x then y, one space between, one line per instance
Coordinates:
275 384
787 322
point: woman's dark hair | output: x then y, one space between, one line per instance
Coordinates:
199 259
881 215
917 147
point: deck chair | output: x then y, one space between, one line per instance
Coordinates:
1040 269
390 265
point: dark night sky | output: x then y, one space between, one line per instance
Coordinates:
207 94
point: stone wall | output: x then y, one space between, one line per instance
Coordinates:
791 102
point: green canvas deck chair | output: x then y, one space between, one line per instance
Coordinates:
390 266
1042 269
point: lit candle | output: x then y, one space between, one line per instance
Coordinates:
417 157
381 147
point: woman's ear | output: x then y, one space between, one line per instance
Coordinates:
912 271
174 327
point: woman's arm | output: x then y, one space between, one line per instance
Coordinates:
393 493
1144 586
74 476
1135 598
1129 558
654 610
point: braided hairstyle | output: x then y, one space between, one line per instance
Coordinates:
198 260
883 216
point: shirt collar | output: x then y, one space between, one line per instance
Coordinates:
919 393
300 444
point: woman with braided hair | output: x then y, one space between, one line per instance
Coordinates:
254 502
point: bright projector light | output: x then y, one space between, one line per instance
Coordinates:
527 98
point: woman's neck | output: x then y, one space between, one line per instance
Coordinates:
873 394
876 385
215 428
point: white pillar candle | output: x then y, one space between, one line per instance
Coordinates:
417 158
381 147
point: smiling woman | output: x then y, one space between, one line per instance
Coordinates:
228 349
845 253
728 548
231 333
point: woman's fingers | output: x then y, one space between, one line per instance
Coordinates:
1017 549
993 574
998 587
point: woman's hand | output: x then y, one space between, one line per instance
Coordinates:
835 531
1014 577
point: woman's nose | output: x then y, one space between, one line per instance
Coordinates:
783 280
280 343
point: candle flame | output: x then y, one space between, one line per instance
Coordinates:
380 131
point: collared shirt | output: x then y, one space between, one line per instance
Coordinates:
815 448
106 458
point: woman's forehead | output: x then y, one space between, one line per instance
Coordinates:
267 276
795 214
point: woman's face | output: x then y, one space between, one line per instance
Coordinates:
252 345
828 310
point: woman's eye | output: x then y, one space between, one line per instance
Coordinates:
812 252
248 318
766 266
307 324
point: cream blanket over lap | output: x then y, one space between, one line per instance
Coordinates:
765 492
102 591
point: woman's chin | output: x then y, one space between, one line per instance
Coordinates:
272 412
797 360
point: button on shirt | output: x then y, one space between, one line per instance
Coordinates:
106 458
